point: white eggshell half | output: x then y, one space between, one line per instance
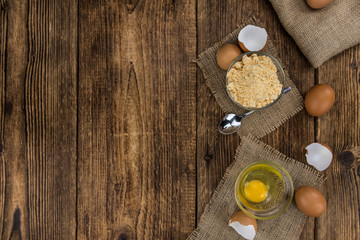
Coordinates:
247 232
254 38
318 156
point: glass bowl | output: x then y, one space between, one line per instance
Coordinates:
280 190
280 74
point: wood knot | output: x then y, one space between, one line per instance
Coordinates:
131 5
123 236
346 158
354 65
16 227
124 233
132 72
86 219
208 157
117 187
349 156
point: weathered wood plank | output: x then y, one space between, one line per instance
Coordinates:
341 128
14 39
215 152
137 115
40 120
50 111
3 32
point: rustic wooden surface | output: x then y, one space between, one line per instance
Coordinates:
107 130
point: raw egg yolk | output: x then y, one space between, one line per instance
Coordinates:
256 191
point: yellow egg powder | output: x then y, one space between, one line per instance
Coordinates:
253 82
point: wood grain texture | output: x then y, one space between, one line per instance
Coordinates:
137 99
3 25
340 128
107 130
15 221
39 134
50 110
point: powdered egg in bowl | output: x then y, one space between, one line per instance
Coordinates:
255 81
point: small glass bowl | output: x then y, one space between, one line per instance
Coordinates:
280 190
280 73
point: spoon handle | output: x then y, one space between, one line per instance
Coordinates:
286 90
248 113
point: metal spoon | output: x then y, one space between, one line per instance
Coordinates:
231 122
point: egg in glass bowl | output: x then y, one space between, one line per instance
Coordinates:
264 190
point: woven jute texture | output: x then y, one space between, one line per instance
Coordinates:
259 123
322 33
289 225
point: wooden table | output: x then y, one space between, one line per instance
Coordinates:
109 132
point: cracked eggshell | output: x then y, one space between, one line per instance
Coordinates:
243 225
252 38
319 155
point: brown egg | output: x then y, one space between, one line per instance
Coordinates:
226 55
310 201
316 4
319 99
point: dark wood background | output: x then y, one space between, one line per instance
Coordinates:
107 130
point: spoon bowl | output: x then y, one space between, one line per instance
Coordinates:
231 123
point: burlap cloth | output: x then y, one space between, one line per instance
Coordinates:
323 33
259 123
289 225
